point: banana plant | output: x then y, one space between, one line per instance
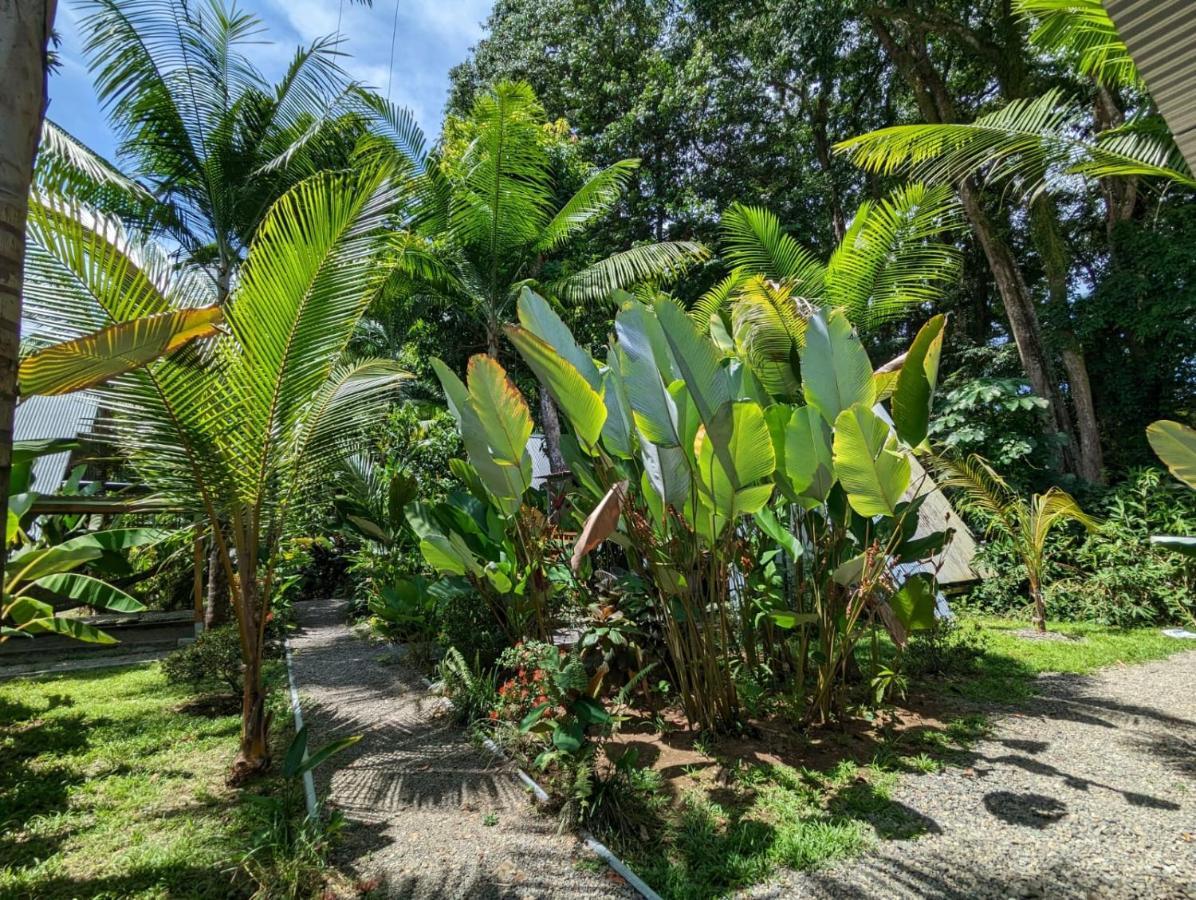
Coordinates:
693 424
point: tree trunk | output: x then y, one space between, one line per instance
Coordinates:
24 34
1039 606
218 606
1019 308
551 422
253 757
912 59
1092 458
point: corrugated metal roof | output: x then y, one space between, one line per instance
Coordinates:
1161 36
42 418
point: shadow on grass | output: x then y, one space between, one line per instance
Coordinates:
24 794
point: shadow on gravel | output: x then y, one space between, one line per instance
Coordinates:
1026 810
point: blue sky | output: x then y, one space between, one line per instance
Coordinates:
432 37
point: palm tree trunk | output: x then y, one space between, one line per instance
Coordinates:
253 757
551 422
1039 605
24 34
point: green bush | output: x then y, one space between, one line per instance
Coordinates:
1113 576
215 656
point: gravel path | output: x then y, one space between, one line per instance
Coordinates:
1087 791
416 791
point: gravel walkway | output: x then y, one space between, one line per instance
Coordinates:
416 791
1087 791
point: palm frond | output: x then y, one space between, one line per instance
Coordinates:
309 276
660 262
66 166
980 487
596 197
715 301
768 331
1022 143
755 242
1083 30
896 254
1053 507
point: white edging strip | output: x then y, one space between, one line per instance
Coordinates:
309 784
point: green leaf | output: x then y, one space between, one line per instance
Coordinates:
738 434
698 362
90 360
574 395
589 711
568 737
37 617
914 394
90 592
295 752
790 620
768 523
869 462
541 320
1175 445
914 603
501 409
40 561
529 721
836 372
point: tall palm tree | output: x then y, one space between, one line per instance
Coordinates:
239 428
490 218
24 37
210 143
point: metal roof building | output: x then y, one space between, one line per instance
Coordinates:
1161 37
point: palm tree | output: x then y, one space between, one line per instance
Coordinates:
210 143
490 219
1027 523
239 428
893 256
24 37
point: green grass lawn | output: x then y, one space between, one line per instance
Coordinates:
1010 663
108 790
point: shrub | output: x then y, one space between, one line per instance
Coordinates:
472 690
950 648
215 656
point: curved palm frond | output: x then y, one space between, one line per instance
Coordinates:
895 254
1084 30
768 330
310 274
660 262
715 301
980 488
1023 142
596 197
501 203
66 166
1050 509
92 359
755 243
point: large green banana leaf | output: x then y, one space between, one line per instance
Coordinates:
914 393
869 462
574 394
1175 444
836 372
741 488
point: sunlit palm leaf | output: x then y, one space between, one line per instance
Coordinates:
755 243
649 262
1083 29
95 358
594 198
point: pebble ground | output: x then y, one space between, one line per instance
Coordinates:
1086 791
430 814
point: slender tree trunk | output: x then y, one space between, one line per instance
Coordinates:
24 36
218 606
1039 605
936 105
253 757
551 422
